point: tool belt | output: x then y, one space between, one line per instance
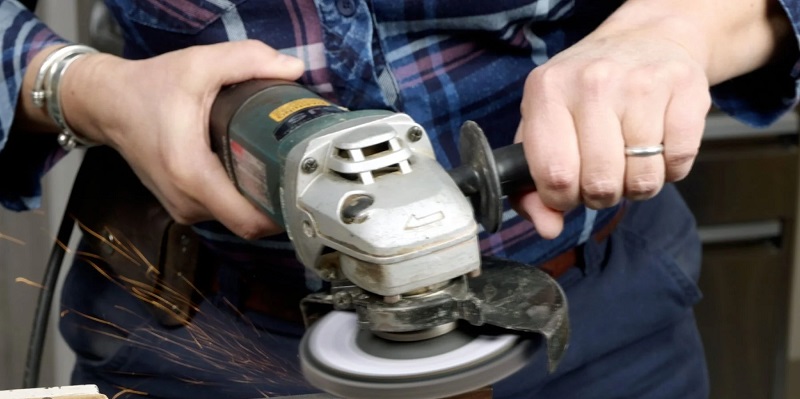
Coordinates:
573 257
126 228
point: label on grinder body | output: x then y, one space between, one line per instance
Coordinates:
297 112
282 112
251 175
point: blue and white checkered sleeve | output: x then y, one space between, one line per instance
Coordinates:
762 96
24 158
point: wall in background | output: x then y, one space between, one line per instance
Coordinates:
794 313
25 253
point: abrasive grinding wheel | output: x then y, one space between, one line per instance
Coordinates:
344 360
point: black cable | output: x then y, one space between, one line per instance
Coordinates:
45 303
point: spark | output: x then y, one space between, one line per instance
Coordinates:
124 391
12 239
125 249
24 280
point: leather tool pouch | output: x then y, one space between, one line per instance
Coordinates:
126 227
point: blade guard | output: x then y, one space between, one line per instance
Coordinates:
519 297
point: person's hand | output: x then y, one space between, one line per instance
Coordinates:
155 112
641 79
583 108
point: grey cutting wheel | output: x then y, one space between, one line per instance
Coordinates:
339 358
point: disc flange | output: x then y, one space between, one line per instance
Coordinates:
340 358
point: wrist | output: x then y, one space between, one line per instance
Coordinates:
727 39
46 91
666 21
86 95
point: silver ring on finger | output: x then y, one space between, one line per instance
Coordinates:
645 151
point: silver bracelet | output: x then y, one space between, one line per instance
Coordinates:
46 91
38 93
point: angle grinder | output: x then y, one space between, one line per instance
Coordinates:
417 311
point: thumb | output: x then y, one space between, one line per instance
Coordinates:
234 62
549 222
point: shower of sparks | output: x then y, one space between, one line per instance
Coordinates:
213 342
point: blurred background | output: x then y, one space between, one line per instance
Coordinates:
743 191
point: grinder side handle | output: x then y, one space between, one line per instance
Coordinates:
487 176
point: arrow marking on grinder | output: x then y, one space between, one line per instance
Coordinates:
415 222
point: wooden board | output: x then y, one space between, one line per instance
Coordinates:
66 392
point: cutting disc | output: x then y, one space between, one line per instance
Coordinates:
342 359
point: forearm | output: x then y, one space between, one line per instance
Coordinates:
728 38
29 38
24 158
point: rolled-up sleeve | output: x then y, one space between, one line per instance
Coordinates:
762 96
24 158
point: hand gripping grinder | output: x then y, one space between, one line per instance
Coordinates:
417 311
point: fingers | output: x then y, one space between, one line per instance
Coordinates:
241 61
643 127
204 188
194 187
164 135
232 209
550 147
601 155
683 130
580 115
203 191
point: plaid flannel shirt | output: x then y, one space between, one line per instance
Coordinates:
441 61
